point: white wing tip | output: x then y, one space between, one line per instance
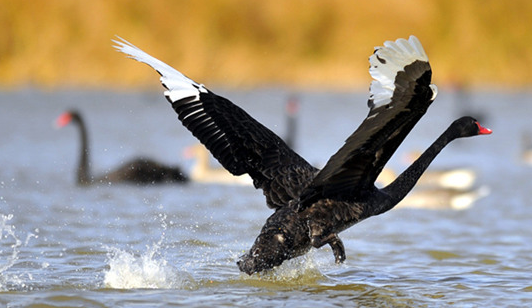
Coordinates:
127 48
178 85
387 61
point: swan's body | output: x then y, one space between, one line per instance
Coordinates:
442 198
439 189
139 171
458 178
526 148
452 178
312 206
204 172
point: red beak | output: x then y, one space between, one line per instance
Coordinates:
63 119
483 130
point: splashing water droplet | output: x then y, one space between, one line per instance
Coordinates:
7 233
149 270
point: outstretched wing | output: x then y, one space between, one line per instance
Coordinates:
239 142
399 96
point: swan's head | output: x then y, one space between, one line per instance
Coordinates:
66 118
284 236
267 252
468 126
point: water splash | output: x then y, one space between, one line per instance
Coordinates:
9 250
9 239
10 245
149 270
304 270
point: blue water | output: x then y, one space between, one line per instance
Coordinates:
176 245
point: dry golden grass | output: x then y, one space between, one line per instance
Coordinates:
306 43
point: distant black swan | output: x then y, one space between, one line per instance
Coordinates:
139 171
312 206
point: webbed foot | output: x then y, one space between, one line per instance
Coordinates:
336 245
338 249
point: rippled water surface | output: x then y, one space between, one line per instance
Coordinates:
176 245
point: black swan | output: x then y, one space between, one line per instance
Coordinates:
138 171
312 206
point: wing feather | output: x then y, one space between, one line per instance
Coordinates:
399 96
239 142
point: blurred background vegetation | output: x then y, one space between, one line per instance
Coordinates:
301 43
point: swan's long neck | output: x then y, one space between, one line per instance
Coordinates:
83 167
403 184
290 138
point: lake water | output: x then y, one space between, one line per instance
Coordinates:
176 245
